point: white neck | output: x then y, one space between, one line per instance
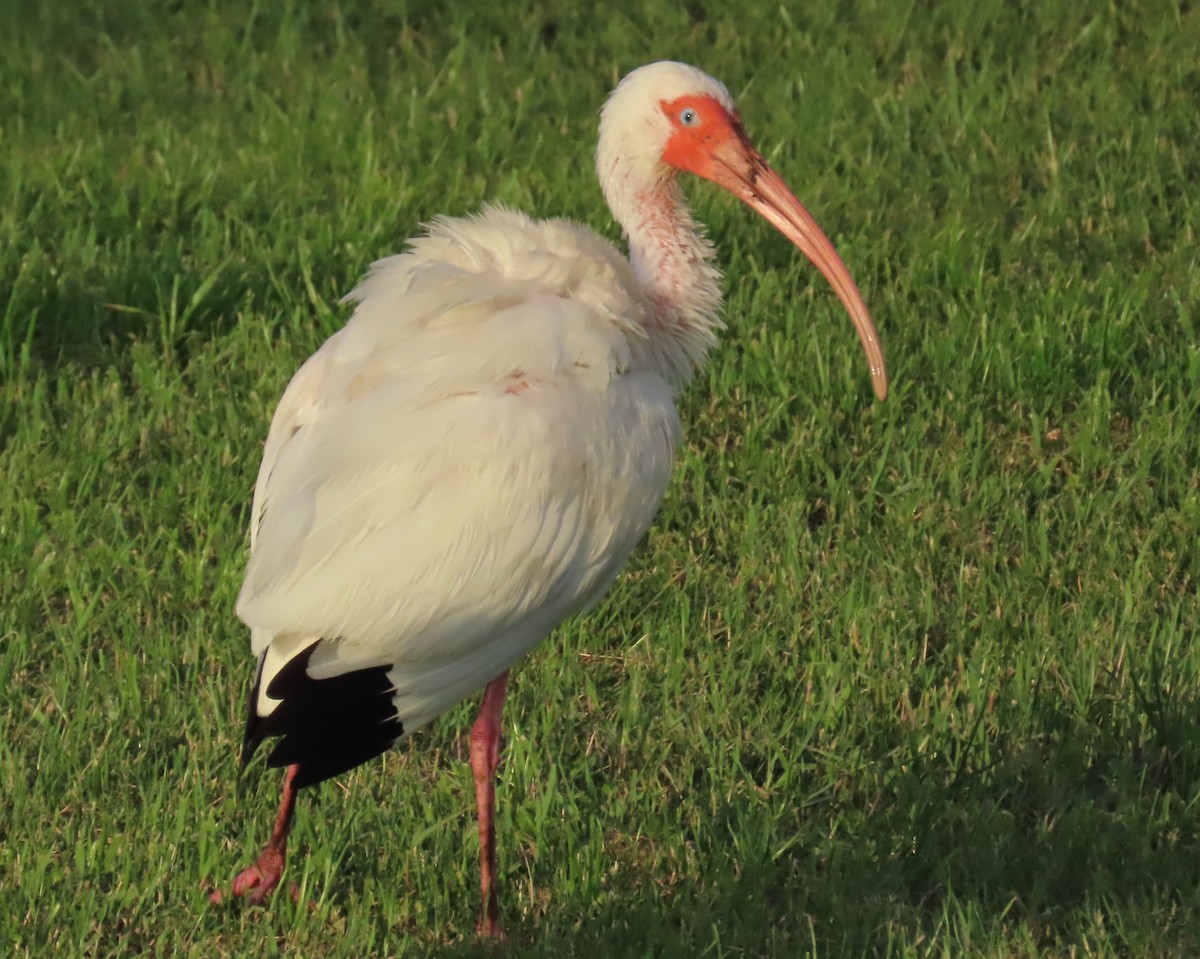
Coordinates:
673 261
671 257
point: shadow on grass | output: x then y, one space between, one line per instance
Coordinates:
69 320
1074 843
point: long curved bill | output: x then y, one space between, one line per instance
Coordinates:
747 175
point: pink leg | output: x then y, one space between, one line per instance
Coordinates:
259 881
485 757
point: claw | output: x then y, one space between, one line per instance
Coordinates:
258 882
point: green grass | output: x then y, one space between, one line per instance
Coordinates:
901 680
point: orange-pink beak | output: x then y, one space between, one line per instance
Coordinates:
742 170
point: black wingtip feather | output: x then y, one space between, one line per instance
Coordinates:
254 731
327 726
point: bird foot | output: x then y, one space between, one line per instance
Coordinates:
489 927
258 882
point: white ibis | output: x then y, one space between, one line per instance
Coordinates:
471 459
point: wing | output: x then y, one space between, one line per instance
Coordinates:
437 494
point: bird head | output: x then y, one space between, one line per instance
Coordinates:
667 118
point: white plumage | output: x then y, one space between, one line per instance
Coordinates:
464 465
471 459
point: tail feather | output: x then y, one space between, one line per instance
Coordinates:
326 726
254 729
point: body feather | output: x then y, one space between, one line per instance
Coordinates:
467 462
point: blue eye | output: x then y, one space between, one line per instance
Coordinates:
689 117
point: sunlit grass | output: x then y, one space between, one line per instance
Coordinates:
910 679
